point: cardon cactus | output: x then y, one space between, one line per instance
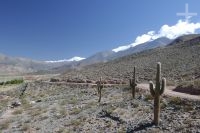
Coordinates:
99 88
157 92
133 84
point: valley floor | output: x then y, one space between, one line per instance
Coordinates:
55 107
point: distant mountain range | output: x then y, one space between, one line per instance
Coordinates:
180 62
110 55
16 65
106 56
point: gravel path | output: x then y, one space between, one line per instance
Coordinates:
169 91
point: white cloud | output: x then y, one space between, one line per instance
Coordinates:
171 32
181 28
76 58
143 38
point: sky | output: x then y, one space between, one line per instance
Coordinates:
61 29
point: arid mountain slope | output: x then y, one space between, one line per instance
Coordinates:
180 61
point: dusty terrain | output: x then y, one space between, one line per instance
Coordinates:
180 62
68 102
60 107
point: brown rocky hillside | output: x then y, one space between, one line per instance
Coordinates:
180 61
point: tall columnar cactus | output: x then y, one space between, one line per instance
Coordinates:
157 92
99 88
133 83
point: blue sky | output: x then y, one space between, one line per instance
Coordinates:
61 29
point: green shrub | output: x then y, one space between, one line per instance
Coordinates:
14 81
175 100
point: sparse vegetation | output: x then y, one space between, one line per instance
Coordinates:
75 111
11 82
63 112
54 80
63 102
73 100
175 100
18 111
76 122
60 107
190 87
25 127
3 103
148 97
4 124
36 111
170 83
177 60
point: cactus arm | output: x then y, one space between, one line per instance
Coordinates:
163 86
101 87
134 76
151 88
99 95
158 74
130 82
98 89
134 73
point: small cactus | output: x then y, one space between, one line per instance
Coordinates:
99 88
157 92
133 84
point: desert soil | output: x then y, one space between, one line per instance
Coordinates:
58 107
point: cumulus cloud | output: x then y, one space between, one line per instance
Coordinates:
144 38
181 28
171 32
76 58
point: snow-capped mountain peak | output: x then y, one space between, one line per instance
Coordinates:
179 29
76 58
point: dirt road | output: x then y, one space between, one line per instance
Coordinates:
169 91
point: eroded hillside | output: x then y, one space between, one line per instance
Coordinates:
180 61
